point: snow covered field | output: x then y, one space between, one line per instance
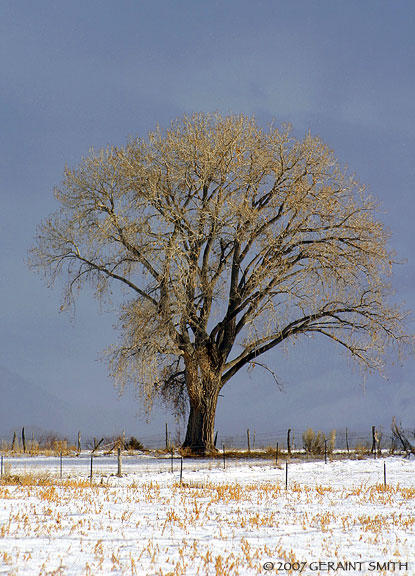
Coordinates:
335 518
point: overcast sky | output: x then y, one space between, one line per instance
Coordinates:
82 74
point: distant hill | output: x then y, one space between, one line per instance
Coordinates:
25 404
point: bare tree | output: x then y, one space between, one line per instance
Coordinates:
229 240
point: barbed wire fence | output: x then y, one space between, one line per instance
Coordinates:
100 458
289 440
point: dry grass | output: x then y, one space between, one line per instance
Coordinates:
246 524
36 448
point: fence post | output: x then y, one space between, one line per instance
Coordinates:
276 454
347 441
249 440
325 450
97 444
14 441
60 465
374 441
24 440
224 457
119 461
181 469
79 442
289 441
91 469
286 475
384 474
172 459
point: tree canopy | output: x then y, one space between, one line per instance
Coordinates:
229 240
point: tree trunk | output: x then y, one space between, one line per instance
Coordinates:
200 428
203 383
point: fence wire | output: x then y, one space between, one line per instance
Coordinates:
345 439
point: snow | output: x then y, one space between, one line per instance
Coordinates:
334 518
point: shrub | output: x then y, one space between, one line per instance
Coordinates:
362 450
315 443
134 444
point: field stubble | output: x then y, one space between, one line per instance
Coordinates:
216 522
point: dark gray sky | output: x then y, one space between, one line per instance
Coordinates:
81 74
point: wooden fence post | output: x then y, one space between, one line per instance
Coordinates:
347 441
374 441
24 440
14 441
79 442
249 440
97 444
119 461
276 454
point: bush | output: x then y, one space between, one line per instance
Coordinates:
362 450
332 442
134 444
315 443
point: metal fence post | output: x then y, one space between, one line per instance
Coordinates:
286 475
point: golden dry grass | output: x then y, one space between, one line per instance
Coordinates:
244 525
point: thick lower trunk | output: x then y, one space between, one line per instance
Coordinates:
201 428
203 382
